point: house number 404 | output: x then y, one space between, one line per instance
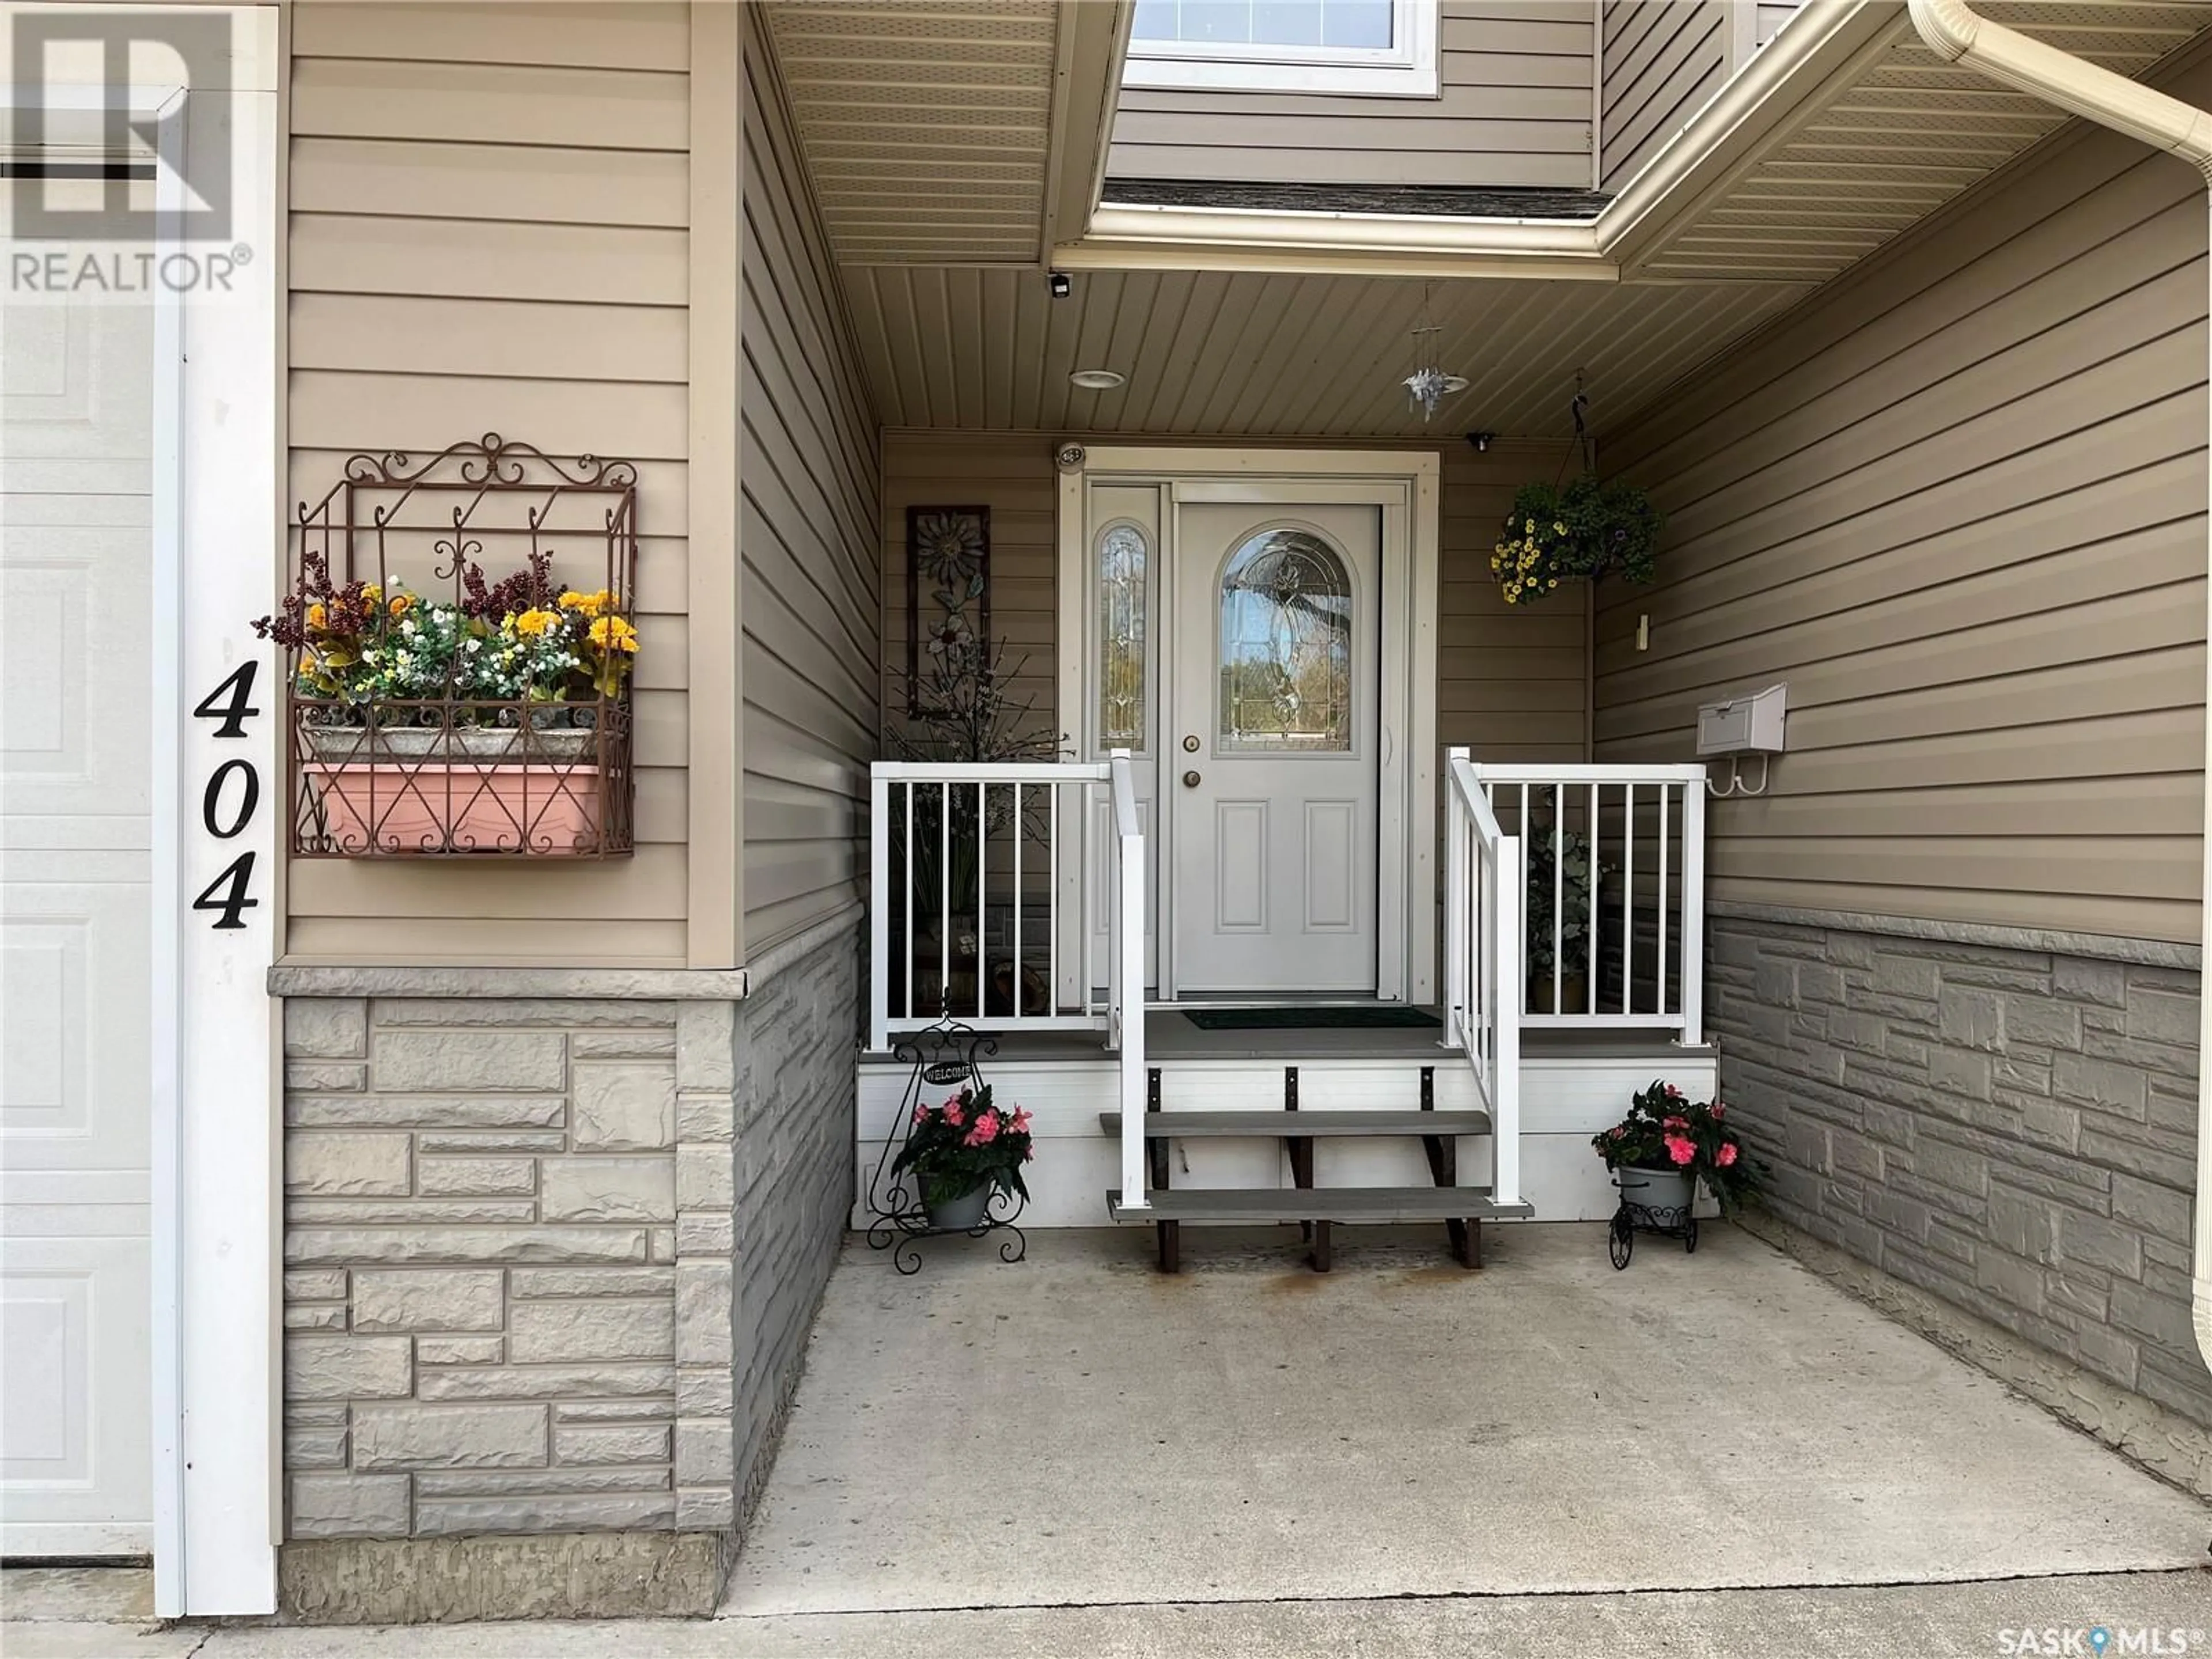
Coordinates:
232 795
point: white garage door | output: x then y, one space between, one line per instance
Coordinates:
76 387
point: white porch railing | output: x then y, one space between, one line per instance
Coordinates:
967 872
1615 892
1484 894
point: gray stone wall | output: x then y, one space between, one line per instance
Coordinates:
797 1040
507 1272
2011 1130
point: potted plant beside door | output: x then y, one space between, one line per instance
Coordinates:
962 1153
1559 933
1666 1147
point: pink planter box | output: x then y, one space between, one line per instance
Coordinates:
437 808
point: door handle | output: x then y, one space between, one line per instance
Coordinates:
1190 779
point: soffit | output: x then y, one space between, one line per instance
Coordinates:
1876 149
925 125
1251 354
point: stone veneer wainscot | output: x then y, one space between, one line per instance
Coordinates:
551 1259
2011 1129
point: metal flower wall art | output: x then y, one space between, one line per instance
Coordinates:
948 576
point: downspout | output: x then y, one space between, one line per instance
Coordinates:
1954 32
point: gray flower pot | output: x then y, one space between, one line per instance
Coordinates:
1658 1189
963 1214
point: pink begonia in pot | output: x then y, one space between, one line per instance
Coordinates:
1667 1133
961 1152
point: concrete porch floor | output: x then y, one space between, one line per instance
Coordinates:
1080 1429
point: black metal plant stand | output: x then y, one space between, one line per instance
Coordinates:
944 1056
1667 1220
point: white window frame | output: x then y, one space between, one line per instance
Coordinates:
1406 68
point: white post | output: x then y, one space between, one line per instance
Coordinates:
1458 1021
1505 1110
1129 841
879 912
1693 911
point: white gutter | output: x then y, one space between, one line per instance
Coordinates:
1956 33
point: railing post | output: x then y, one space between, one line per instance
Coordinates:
1457 1019
1693 945
879 912
1505 1110
1129 843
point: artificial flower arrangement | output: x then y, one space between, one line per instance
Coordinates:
1666 1130
964 1145
1588 528
522 639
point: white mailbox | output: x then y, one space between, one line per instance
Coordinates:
1744 725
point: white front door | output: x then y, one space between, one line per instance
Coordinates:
77 389
1271 762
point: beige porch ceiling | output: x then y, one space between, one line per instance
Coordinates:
1888 138
948 131
954 144
1258 355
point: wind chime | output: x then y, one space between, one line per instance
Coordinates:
1429 385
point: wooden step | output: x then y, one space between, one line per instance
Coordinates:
1222 1125
1377 1205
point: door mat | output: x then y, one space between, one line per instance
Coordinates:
1385 1017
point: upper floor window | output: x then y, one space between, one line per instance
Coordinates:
1386 47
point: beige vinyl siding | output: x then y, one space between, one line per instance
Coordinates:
1661 60
1511 685
1013 475
1514 107
1957 503
487 233
810 487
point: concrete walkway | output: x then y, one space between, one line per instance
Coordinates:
1078 1429
1706 1455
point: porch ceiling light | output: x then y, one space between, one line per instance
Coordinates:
1098 379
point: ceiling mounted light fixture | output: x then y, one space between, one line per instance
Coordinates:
1098 379
1428 385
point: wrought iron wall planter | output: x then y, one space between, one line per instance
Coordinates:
945 1057
434 713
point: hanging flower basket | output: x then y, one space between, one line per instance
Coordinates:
1586 530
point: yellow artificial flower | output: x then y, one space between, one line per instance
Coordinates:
317 617
534 623
613 634
371 591
401 604
591 605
